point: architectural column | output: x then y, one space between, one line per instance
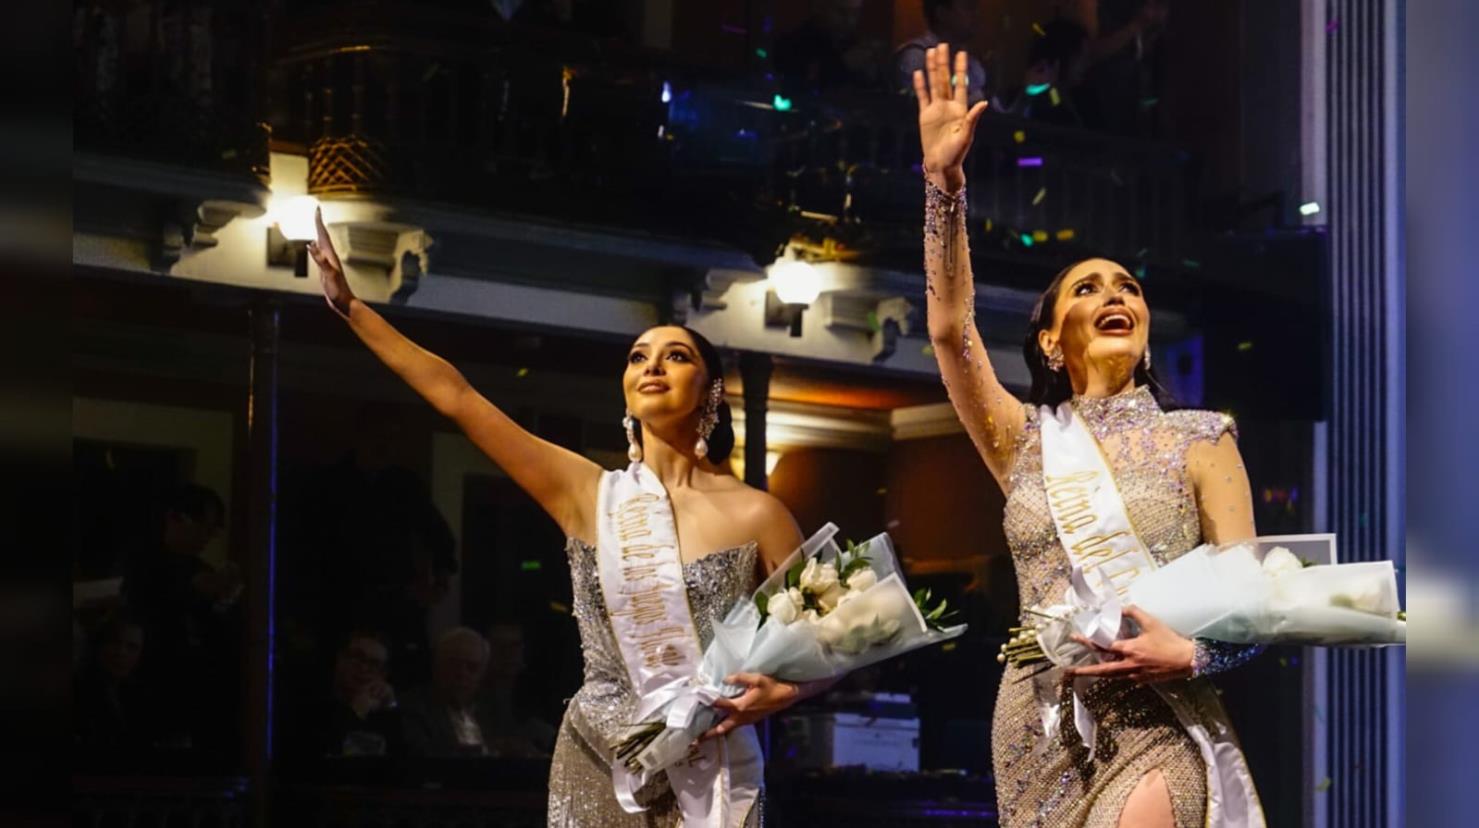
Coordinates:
1354 131
755 370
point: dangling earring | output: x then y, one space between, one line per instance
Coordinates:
634 449
1146 359
1055 359
709 418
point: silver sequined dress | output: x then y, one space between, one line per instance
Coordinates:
580 792
1050 781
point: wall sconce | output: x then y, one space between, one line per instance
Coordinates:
794 284
291 229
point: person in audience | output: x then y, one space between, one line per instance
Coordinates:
359 716
188 611
111 715
947 21
446 718
1054 68
829 51
383 552
514 732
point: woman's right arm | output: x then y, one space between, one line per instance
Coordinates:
562 482
991 415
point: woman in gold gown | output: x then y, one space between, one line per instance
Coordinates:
1182 483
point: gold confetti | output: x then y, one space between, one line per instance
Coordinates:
1324 785
1042 193
1019 136
1053 93
1038 29
1066 234
1039 235
988 225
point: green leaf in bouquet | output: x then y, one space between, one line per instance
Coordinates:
793 576
762 603
854 566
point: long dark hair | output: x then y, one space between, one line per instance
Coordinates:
1051 387
721 442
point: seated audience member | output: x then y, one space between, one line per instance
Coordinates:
111 712
514 731
948 21
358 717
447 719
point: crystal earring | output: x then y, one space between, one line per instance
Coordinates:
709 418
634 449
1146 359
1055 359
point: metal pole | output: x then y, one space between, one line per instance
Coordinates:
261 412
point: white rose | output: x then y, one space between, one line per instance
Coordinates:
1280 561
832 597
811 617
1366 599
859 581
817 577
782 608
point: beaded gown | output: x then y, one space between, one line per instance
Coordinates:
580 790
1051 781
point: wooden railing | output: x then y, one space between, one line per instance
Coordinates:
178 82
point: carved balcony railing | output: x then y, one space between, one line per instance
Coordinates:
176 82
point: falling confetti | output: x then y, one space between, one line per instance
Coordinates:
1038 29
781 103
521 373
1026 239
1053 95
1039 235
1066 234
1324 785
1042 193
928 350
1029 161
1191 264
1245 347
1019 136
988 225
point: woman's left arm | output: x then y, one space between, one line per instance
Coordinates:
777 536
1225 506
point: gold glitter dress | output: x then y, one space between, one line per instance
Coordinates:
580 791
1050 781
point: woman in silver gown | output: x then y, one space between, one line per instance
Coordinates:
729 534
1182 483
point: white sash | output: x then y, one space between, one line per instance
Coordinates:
1104 550
641 575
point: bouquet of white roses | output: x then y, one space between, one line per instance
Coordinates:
1250 592
826 612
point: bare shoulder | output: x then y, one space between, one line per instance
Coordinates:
763 516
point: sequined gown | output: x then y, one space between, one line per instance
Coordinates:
580 792
1050 782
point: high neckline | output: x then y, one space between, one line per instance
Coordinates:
1127 409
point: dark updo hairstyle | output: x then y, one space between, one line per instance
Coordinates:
721 442
1051 387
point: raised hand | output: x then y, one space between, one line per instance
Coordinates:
330 271
946 122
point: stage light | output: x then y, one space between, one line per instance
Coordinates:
293 216
1309 208
795 281
292 227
